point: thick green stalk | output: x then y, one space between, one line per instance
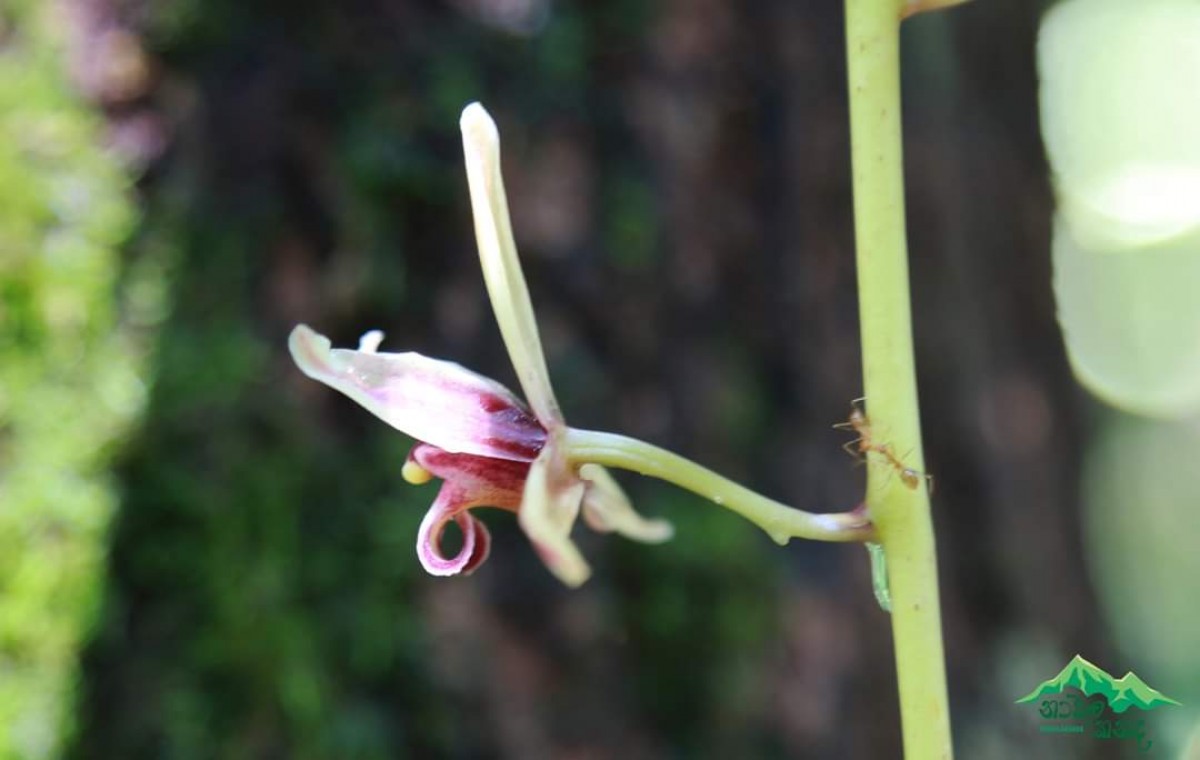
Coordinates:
780 521
901 514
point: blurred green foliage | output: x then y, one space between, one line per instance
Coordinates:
260 579
69 380
1141 532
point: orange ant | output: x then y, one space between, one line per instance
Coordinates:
865 443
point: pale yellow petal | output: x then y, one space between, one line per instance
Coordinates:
607 508
549 507
501 266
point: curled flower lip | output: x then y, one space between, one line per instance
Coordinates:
467 481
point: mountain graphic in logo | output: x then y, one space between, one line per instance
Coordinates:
1120 693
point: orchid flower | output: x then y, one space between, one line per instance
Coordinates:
486 445
490 449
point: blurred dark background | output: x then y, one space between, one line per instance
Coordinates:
679 179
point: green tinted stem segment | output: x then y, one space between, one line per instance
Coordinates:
780 521
901 514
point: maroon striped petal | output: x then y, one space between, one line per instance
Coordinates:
434 401
484 482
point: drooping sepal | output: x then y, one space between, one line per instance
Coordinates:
607 509
549 507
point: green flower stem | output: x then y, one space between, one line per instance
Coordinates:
901 514
780 521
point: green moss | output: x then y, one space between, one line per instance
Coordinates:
69 374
